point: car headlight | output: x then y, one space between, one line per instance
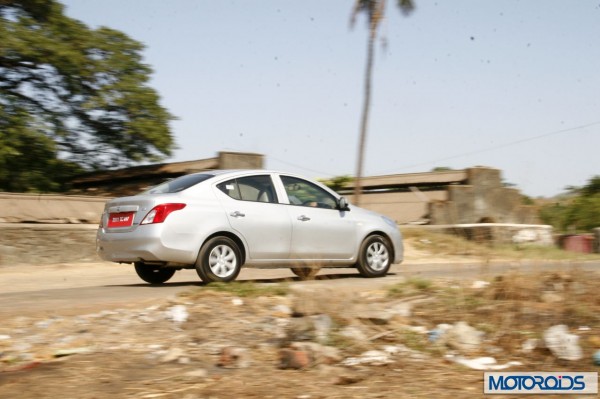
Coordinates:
389 221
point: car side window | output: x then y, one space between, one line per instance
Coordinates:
250 188
305 193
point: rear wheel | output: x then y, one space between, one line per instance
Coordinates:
375 257
219 260
153 274
305 273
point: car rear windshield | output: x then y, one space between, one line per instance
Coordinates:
179 184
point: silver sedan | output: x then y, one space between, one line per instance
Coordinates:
219 221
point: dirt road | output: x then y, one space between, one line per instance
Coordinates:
87 287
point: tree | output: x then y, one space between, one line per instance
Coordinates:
337 183
579 213
72 99
375 10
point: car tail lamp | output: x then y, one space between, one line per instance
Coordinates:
159 213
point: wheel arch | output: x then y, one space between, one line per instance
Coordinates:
231 236
386 237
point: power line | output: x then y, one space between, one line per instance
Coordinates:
512 143
301 167
500 146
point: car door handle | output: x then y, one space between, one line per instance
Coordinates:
237 214
303 218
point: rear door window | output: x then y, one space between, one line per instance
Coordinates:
250 188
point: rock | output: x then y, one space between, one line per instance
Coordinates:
319 354
172 355
199 373
401 309
417 329
282 311
177 313
276 326
234 357
463 337
294 359
530 345
479 284
301 329
562 344
376 316
353 333
306 304
72 351
372 358
405 351
322 324
341 375
312 328
237 301
551 297
482 363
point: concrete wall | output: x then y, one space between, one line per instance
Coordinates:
402 207
27 243
46 208
483 200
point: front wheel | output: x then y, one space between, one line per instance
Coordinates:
153 274
374 258
219 260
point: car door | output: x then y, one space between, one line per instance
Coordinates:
319 229
254 212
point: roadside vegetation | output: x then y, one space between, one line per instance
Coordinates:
576 211
441 244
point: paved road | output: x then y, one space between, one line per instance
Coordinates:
89 287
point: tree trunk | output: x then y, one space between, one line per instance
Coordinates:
365 117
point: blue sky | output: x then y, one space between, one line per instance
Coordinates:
509 84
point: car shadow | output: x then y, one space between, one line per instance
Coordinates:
278 280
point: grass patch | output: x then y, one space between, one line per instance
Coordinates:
244 289
250 289
412 286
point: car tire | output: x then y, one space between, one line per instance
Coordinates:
219 260
153 274
374 257
305 273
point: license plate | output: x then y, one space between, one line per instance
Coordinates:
121 219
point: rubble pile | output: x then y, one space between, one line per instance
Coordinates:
205 336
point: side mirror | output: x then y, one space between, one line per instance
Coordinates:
343 204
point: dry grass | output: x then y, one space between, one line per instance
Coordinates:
441 244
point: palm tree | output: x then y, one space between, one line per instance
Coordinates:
375 10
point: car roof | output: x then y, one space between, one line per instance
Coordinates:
220 172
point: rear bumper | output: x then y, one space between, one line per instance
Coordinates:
145 243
